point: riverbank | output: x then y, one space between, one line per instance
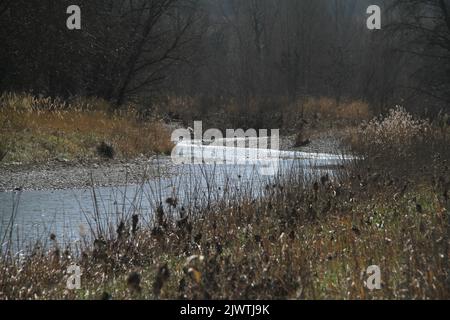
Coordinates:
44 130
54 175
66 174
53 144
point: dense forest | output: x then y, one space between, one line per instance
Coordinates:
135 50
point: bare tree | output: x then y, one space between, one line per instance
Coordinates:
4 5
425 24
158 38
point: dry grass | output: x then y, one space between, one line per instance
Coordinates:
260 112
397 130
310 118
300 241
224 113
35 129
400 143
328 108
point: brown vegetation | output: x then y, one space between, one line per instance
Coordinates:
39 129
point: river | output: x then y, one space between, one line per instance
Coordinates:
200 178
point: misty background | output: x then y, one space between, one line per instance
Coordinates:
269 51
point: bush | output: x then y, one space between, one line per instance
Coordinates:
396 132
106 150
401 145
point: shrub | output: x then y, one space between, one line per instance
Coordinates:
106 150
397 132
401 145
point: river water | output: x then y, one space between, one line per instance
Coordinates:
201 175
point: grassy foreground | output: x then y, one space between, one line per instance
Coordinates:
298 242
42 129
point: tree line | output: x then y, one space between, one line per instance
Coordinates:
230 49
